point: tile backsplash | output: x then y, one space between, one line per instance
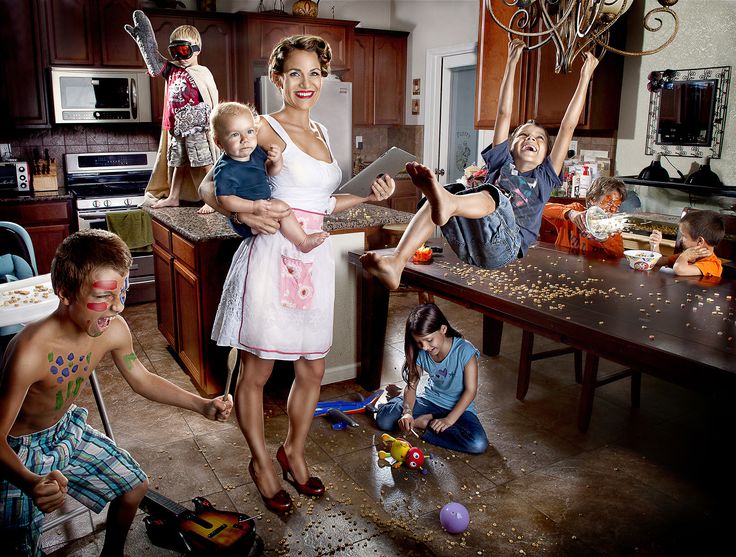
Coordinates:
87 138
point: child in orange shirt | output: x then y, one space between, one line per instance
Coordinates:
569 220
699 233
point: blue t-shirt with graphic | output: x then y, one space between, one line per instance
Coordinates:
527 191
445 385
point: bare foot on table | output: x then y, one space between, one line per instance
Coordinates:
166 202
312 241
386 269
205 210
439 199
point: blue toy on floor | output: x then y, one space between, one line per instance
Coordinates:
337 410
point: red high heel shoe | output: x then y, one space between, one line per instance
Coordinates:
279 503
314 486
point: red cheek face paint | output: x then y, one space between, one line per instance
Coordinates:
98 306
105 284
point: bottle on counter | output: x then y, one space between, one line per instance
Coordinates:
655 172
704 176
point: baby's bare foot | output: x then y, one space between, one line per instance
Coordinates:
422 421
439 199
205 210
312 241
166 202
386 269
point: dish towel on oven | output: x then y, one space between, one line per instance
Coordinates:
134 227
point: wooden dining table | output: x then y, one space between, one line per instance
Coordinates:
677 328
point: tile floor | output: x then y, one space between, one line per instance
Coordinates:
656 481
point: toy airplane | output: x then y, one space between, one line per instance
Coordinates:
349 407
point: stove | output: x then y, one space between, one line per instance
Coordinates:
105 182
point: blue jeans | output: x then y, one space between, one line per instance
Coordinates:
489 242
465 435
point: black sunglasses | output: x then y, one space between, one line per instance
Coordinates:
182 50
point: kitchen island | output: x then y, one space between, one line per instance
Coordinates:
192 255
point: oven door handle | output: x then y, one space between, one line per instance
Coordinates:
91 216
133 99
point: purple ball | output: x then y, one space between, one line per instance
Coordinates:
454 518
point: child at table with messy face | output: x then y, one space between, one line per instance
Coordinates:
606 193
699 232
47 449
495 223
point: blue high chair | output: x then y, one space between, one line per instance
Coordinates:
18 261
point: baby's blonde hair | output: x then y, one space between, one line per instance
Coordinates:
230 109
186 33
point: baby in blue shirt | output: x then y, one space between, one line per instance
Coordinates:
241 174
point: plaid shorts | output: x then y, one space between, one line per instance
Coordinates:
193 150
98 472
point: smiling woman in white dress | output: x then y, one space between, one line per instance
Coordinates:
277 303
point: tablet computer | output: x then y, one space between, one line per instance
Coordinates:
391 162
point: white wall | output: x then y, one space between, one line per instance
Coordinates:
707 37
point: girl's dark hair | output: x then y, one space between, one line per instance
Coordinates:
547 140
309 43
423 320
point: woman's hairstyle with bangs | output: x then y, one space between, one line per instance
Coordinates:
81 254
309 43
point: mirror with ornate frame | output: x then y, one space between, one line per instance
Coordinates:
687 112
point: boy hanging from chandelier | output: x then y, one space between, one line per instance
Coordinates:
191 93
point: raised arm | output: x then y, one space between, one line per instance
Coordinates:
142 33
506 93
572 114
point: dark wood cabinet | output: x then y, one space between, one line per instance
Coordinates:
379 77
47 223
90 33
263 32
189 278
23 91
540 93
218 51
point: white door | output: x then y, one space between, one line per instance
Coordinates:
451 141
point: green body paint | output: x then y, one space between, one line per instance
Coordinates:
129 359
72 389
59 400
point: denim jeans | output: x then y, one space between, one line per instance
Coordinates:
489 242
465 435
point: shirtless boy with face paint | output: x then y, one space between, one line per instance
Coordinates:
47 450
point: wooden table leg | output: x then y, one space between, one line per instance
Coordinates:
373 312
525 364
492 331
590 379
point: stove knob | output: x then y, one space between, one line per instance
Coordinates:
127 201
107 203
95 203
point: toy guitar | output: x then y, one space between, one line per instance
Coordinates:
202 532
349 407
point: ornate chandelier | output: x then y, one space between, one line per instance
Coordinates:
575 26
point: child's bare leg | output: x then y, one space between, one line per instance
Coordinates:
388 268
294 232
445 204
119 518
177 179
205 209
423 421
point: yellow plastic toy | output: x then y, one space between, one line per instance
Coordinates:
397 452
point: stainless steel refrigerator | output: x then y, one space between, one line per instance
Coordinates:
334 110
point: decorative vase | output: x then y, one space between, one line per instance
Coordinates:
305 7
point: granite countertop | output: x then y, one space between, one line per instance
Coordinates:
197 228
13 197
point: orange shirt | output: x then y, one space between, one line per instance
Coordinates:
710 266
568 235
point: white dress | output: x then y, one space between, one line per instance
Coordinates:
277 302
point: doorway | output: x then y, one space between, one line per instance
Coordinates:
451 142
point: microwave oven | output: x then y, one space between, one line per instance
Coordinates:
97 95
14 176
